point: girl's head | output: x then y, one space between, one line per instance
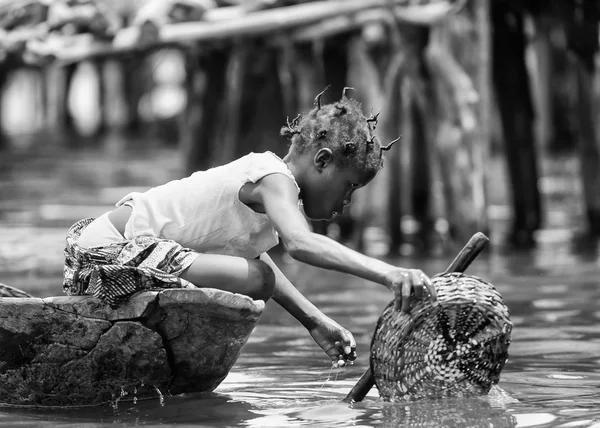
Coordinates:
335 152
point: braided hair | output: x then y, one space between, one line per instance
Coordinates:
341 127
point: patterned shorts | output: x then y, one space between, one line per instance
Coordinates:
114 272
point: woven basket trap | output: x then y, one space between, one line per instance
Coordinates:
457 348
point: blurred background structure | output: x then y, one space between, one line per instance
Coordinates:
496 102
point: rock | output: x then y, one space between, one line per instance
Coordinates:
90 307
74 350
8 291
205 333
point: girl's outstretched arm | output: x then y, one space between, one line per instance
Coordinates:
334 339
278 195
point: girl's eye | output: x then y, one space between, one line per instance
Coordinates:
354 186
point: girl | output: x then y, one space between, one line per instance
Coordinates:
214 228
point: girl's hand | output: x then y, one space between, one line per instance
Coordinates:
337 342
405 281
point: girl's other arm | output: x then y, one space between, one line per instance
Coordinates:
329 335
291 299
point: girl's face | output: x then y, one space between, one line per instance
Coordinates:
330 188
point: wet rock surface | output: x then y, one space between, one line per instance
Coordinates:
74 350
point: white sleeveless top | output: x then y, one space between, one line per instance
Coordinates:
203 211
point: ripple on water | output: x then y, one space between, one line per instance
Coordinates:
533 419
565 377
548 303
548 349
554 288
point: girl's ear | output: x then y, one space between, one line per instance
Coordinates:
323 158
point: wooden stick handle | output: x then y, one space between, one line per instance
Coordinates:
462 261
362 387
469 252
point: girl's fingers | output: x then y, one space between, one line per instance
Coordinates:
417 280
350 347
397 296
406 287
334 355
349 342
433 294
347 350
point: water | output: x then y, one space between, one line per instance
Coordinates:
282 379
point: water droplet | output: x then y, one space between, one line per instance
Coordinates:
160 396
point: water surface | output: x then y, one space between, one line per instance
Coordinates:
282 379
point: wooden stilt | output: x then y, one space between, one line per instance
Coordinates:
544 59
511 82
206 85
460 141
134 80
394 119
4 73
583 41
481 147
230 121
421 165
69 122
334 58
262 112
589 147
102 98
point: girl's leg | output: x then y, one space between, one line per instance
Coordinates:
251 277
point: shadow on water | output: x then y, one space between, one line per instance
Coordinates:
210 408
282 379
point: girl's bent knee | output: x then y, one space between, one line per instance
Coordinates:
261 280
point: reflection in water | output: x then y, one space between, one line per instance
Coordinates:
451 413
282 379
221 410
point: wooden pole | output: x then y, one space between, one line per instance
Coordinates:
422 159
460 263
544 68
394 120
512 87
283 18
262 112
133 74
583 42
206 83
481 145
589 147
458 153
229 132
5 71
327 18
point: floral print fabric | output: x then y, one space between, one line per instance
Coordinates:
114 272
